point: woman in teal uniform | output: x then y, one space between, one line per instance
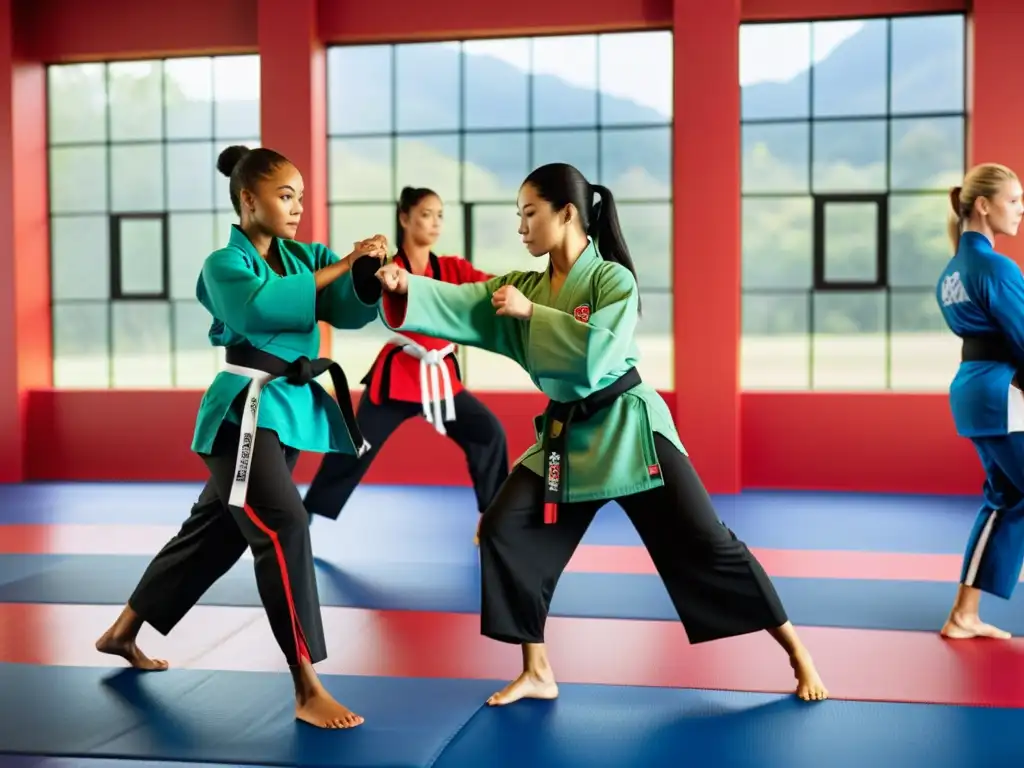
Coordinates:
604 436
266 293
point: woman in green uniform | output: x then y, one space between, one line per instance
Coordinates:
266 293
605 435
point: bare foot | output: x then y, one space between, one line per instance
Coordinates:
963 627
809 685
118 645
322 711
529 685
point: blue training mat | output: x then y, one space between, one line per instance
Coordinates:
431 586
385 516
239 718
245 718
36 761
593 726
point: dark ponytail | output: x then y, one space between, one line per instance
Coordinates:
407 200
605 229
561 184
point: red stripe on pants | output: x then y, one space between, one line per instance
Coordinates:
300 641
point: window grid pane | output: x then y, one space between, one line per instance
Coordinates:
875 106
469 119
140 137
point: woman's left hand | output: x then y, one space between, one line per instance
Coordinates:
376 246
510 302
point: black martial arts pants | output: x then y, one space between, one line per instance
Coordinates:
476 430
716 585
213 538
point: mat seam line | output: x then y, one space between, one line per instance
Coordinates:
447 742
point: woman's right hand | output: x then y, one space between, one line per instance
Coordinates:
393 278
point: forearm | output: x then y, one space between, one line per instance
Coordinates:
330 273
459 313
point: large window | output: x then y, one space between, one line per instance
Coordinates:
136 205
853 132
470 120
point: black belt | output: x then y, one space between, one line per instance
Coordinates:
301 373
555 423
992 347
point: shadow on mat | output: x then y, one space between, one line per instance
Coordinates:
399 586
350 590
167 728
197 717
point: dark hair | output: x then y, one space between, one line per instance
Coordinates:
407 200
245 167
561 184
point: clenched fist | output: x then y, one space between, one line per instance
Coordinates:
510 302
393 278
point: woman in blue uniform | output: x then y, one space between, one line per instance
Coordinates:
981 297
266 293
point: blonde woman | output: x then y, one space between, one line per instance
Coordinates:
981 297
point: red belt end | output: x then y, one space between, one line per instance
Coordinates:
550 513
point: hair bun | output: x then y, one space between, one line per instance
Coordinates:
230 157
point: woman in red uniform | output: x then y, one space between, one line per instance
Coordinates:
416 374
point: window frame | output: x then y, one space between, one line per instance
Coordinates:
817 283
598 126
114 216
820 283
117 292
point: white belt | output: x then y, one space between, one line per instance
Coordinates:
247 442
435 381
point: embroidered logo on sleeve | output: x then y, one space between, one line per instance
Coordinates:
582 313
953 291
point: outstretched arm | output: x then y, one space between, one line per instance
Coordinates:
584 351
462 314
464 271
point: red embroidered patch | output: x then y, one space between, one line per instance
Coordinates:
653 470
582 313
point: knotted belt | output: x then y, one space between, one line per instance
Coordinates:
435 381
261 368
554 425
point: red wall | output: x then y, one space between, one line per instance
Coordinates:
873 442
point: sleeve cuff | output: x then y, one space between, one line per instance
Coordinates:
364 280
393 307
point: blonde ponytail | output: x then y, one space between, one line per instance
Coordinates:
983 180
